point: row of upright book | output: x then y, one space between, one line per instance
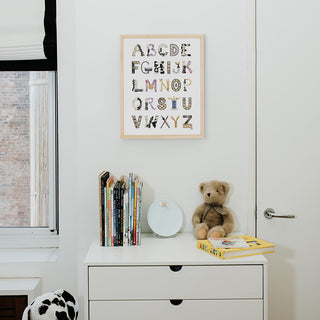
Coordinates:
120 206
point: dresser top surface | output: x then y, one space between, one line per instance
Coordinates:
179 250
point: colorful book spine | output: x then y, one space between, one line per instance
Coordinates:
112 217
129 207
109 217
120 215
135 213
106 216
139 212
125 218
103 176
115 213
131 212
100 206
109 185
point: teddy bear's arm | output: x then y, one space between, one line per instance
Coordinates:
196 218
228 222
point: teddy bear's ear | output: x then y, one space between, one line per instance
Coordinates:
201 187
225 187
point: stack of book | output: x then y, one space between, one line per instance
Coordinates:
120 203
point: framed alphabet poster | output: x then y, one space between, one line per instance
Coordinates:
162 94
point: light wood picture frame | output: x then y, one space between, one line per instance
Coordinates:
162 86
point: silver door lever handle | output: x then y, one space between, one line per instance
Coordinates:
269 213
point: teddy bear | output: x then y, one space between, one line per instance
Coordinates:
211 219
58 305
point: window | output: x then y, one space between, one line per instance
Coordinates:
28 124
28 159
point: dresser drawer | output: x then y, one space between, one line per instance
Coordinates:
187 310
191 282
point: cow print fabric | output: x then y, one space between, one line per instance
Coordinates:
58 305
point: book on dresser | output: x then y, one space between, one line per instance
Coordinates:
120 212
108 225
103 177
229 250
116 199
120 207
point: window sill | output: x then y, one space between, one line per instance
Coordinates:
35 241
29 255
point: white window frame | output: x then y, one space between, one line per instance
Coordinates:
41 237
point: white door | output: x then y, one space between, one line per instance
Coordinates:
288 172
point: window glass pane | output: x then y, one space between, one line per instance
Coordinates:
24 149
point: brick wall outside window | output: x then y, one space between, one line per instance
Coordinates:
14 149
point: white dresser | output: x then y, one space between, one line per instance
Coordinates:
171 279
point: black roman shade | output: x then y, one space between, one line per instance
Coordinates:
34 45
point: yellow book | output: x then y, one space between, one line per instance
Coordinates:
256 246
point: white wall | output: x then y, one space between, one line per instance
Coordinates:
170 168
89 119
